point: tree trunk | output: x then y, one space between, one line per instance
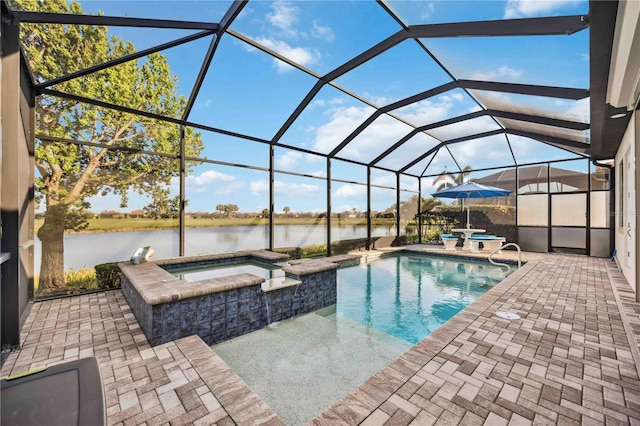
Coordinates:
52 263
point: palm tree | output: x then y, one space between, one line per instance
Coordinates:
458 179
286 211
429 203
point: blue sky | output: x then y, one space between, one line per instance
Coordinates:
250 92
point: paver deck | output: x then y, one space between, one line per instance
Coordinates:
571 359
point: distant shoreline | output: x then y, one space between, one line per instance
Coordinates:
102 225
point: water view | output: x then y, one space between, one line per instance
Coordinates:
82 250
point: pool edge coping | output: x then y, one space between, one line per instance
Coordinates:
366 398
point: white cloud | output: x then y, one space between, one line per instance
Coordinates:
501 73
209 177
373 140
492 151
342 122
349 191
430 111
289 160
287 189
205 103
525 147
210 181
386 179
426 11
321 32
319 173
284 16
379 100
382 132
229 188
259 187
526 8
580 110
300 55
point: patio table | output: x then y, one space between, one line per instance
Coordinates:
467 233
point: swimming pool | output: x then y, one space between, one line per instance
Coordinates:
303 365
408 296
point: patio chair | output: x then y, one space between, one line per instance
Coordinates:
449 241
489 242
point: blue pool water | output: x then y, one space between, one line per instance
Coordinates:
383 308
409 296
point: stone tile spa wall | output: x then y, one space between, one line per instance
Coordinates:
222 308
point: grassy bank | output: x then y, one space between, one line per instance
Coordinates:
145 224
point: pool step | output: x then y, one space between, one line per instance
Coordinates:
278 283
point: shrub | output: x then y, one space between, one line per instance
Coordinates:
313 250
293 252
433 235
404 240
84 278
108 275
343 247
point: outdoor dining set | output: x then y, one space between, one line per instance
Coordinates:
472 236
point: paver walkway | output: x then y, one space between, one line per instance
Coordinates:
178 383
569 360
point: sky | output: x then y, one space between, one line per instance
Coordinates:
250 92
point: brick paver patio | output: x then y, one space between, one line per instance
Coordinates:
571 359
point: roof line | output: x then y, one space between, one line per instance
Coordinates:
548 138
526 89
548 121
123 59
233 11
553 25
110 21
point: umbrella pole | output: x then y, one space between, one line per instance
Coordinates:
468 224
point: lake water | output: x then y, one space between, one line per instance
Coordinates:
91 249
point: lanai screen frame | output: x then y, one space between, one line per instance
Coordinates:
562 25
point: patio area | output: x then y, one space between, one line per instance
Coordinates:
573 358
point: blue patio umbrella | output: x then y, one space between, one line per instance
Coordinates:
471 190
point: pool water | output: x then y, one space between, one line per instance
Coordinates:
409 296
204 272
303 365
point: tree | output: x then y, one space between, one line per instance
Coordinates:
163 206
428 204
71 173
231 209
286 211
227 209
265 213
459 179
222 208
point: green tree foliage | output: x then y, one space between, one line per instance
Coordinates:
70 173
227 210
286 211
164 207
